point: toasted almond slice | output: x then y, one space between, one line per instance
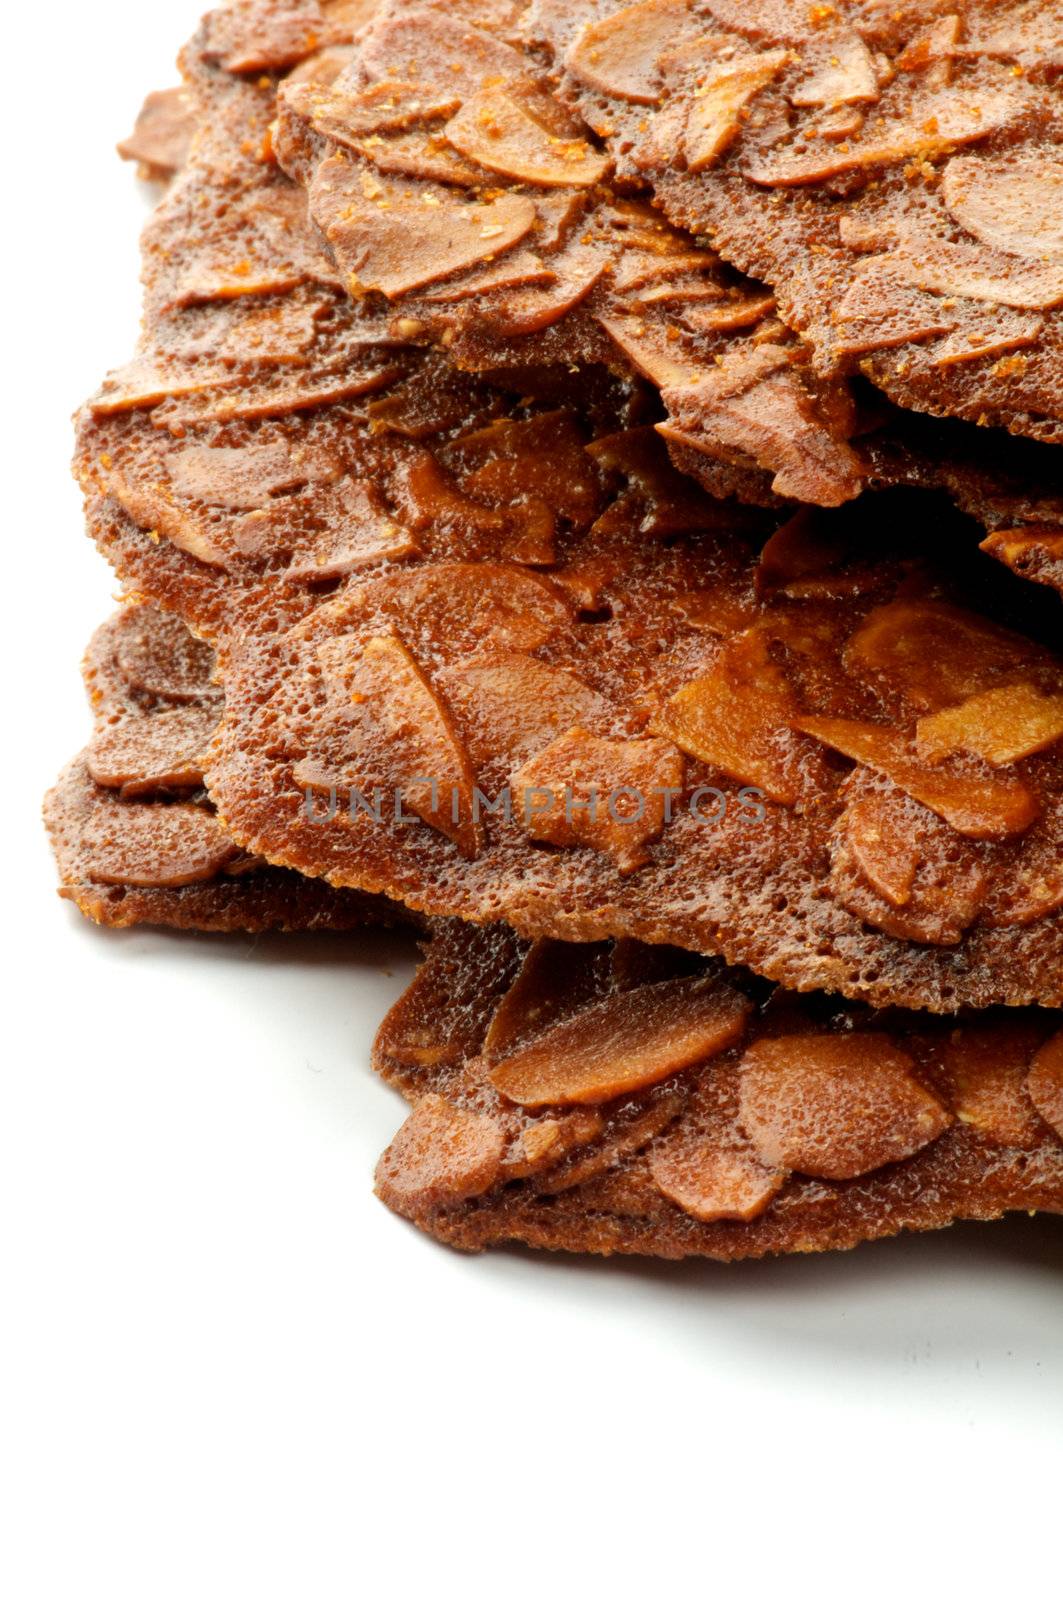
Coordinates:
383 108
447 53
835 1105
392 244
155 655
842 74
1011 205
986 1067
938 123
887 862
936 653
1001 726
649 350
513 704
977 273
728 318
625 1043
154 846
737 719
754 401
1044 1083
152 507
618 55
555 981
440 1156
713 1173
476 600
145 754
898 867
714 115
246 477
497 130
610 794
978 807
436 776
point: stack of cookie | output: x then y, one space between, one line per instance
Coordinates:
590 484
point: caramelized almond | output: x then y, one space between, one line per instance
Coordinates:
842 74
835 1105
386 241
986 1066
619 54
437 779
625 1043
714 114
1011 205
712 1172
935 653
497 130
440 1156
1001 726
737 718
980 807
146 754
610 794
155 846
938 123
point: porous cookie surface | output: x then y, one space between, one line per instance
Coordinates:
893 173
830 756
251 346
135 837
622 1098
404 145
453 188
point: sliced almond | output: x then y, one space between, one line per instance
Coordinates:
431 762
382 108
625 1043
610 794
978 273
1001 726
440 1156
513 704
842 74
394 245
618 55
154 846
709 1169
936 124
935 653
986 1067
143 755
716 107
737 719
979 807
246 477
835 1105
1014 205
497 130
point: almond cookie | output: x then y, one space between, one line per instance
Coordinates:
619 1098
893 173
836 755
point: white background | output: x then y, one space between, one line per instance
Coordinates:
226 1369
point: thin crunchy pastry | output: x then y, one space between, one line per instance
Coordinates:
621 1098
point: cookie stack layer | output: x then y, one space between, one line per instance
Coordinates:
500 551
